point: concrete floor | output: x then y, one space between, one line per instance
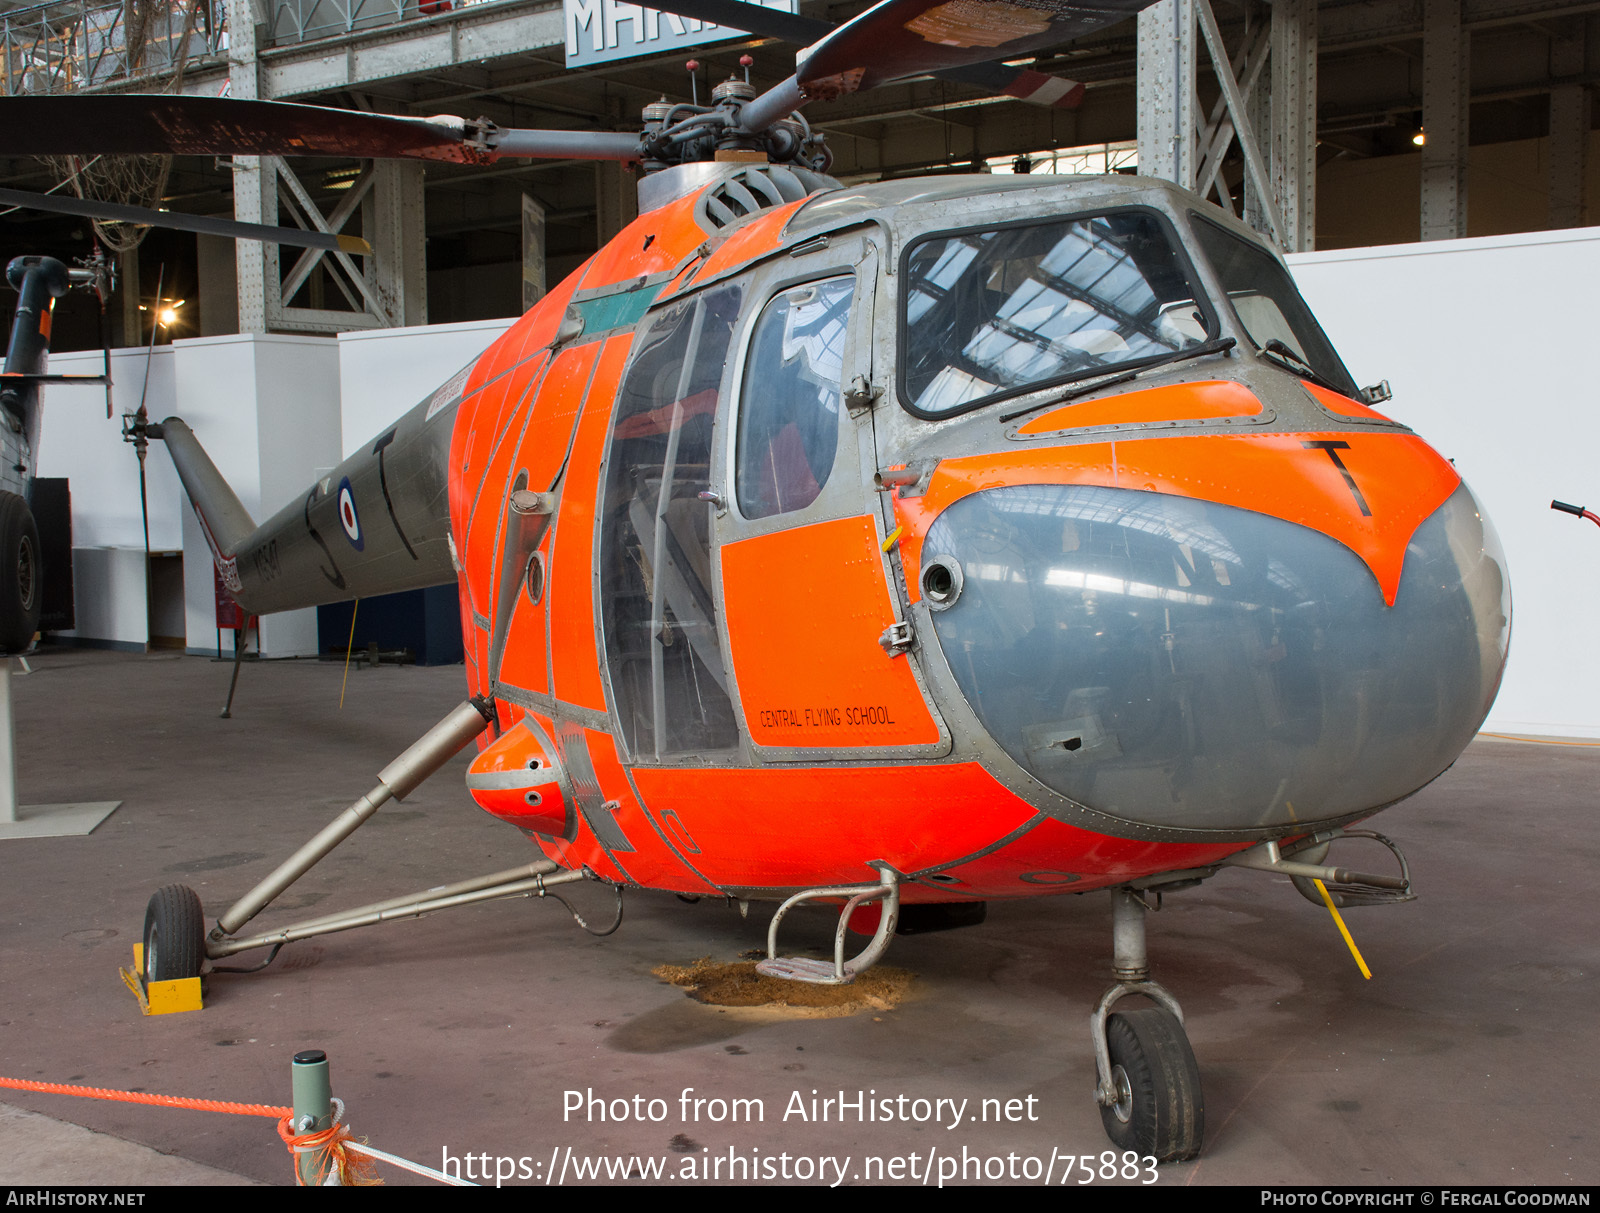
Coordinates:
1470 1058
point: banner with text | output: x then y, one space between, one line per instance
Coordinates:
600 31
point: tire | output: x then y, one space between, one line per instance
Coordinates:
21 575
1159 1109
174 935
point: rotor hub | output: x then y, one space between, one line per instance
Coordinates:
733 89
683 132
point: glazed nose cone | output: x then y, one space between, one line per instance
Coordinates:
1180 664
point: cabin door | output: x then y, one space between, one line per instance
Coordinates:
807 601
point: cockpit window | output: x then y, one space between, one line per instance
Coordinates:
789 409
1270 309
993 313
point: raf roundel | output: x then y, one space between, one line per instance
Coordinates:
347 515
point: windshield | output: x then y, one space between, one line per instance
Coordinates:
990 314
1269 307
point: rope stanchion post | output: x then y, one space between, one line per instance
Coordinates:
313 1129
313 1109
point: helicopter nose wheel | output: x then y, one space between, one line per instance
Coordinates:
174 935
1149 1082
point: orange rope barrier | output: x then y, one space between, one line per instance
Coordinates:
144 1097
357 1172
354 1172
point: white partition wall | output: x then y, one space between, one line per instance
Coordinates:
273 412
1488 344
384 372
266 409
79 442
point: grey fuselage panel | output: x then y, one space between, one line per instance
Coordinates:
378 523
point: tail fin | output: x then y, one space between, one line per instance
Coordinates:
223 518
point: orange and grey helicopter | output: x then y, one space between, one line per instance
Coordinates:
901 546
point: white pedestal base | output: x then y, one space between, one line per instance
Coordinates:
57 820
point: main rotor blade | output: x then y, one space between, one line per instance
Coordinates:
118 212
166 124
998 78
898 39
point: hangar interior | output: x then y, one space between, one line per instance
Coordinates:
1454 267
1337 97
1331 98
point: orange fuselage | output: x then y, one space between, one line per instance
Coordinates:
848 750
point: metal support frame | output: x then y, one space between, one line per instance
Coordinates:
394 215
1266 107
840 972
533 252
1293 141
8 748
38 820
616 195
1255 164
396 781
1217 136
252 176
1165 68
62 46
296 21
530 880
385 290
1445 47
1569 124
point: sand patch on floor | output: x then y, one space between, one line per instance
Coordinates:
738 985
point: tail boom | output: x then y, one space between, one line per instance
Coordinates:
377 524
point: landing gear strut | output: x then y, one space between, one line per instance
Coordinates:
177 945
1149 1082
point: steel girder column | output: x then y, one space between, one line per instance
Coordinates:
1445 112
1294 121
1181 143
387 289
616 199
1165 85
533 252
384 289
1569 124
392 217
254 185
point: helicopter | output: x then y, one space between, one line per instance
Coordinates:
897 547
39 281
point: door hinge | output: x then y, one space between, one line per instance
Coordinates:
898 637
861 394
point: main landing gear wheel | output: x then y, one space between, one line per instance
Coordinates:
1159 1109
174 935
21 588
